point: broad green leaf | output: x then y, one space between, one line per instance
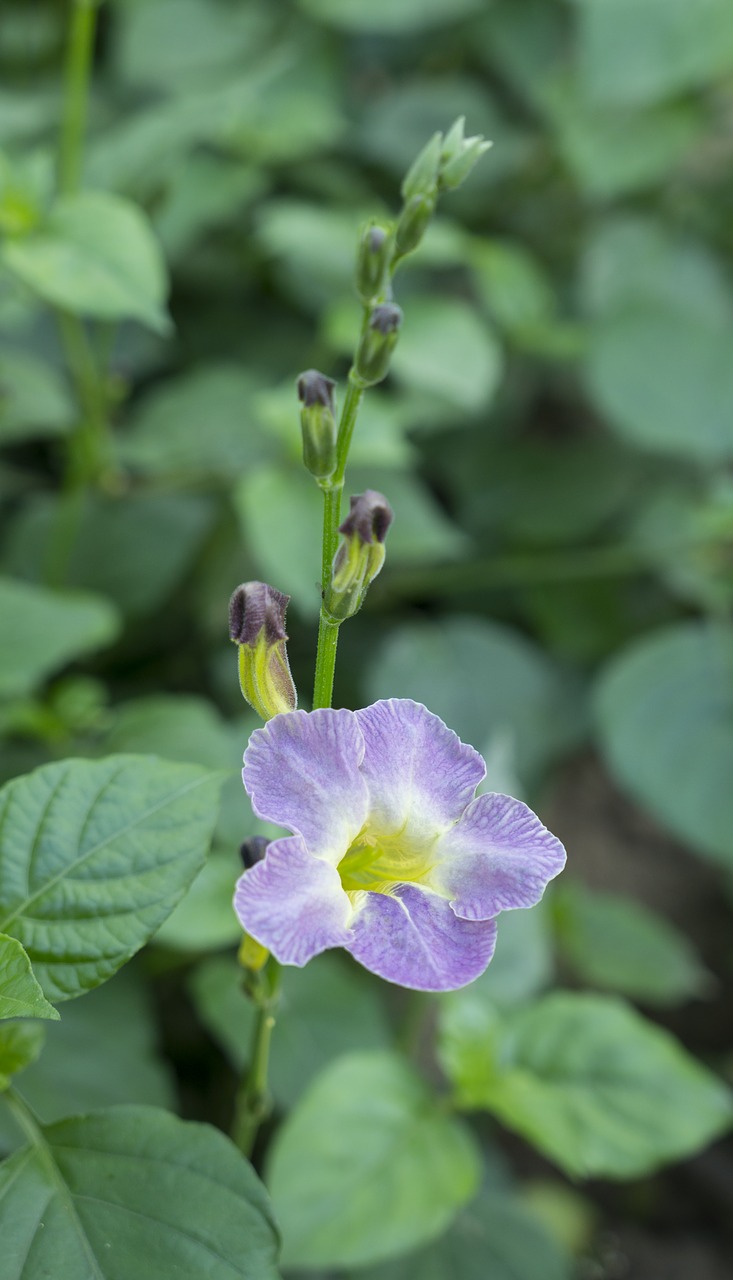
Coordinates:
204 919
134 549
638 51
446 349
664 710
367 1166
168 43
95 855
482 679
104 1051
495 1238
385 16
43 630
199 424
133 1191
95 256
325 1009
34 400
619 945
20 1045
587 1080
20 992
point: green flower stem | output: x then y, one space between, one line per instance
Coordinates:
254 1103
328 631
76 93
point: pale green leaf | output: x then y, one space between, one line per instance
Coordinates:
34 400
446 349
43 630
368 1165
587 1080
386 16
20 992
95 256
20 1045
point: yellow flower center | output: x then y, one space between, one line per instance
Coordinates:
377 861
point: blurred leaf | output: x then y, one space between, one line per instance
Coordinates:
380 436
20 992
204 192
133 1191
619 945
201 423
102 1052
20 1045
665 719
588 1081
481 679
134 549
512 285
204 919
367 1166
96 256
178 727
421 531
687 537
638 51
280 514
315 247
34 400
43 630
495 1238
385 16
170 43
325 1009
522 965
96 854
445 349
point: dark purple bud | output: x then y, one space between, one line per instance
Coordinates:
369 517
257 611
315 388
386 318
253 850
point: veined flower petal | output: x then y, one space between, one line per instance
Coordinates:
302 770
498 857
293 903
413 938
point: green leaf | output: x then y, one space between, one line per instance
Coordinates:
20 1045
588 1081
104 1051
522 965
511 687
168 43
112 553
43 630
20 992
665 717
34 400
367 1166
204 919
199 424
495 1238
133 1191
325 1009
95 256
617 944
445 349
638 51
95 855
385 16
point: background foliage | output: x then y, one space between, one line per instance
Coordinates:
555 438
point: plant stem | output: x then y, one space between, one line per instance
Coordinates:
254 1104
76 93
24 1117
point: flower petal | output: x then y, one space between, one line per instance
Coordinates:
293 903
499 856
302 771
412 937
418 771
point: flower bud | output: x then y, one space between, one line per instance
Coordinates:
252 955
257 625
422 176
413 223
318 423
377 343
373 257
458 156
361 554
253 850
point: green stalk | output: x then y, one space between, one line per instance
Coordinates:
254 1103
76 94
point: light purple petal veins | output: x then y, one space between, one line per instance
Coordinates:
391 856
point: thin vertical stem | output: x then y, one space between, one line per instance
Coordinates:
76 94
254 1104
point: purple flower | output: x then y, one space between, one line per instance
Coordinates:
391 855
